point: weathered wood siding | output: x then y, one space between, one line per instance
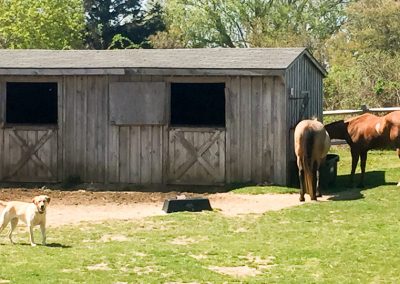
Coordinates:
97 151
88 146
84 127
29 155
136 154
302 78
196 156
255 130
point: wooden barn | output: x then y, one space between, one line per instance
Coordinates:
183 116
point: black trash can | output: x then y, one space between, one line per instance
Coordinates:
328 172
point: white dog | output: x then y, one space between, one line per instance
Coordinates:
32 214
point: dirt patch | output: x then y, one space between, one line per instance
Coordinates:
236 271
71 207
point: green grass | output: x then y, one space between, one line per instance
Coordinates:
347 240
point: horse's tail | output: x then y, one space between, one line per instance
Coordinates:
308 145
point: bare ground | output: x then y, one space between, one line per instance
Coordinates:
72 207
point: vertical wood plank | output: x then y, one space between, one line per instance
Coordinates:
2 158
31 169
91 162
79 128
7 152
59 159
68 135
233 132
280 146
228 121
124 156
267 133
156 157
113 154
134 144
245 128
256 129
102 83
145 157
106 125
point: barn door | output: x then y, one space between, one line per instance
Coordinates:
196 156
31 155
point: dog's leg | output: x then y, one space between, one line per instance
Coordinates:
43 229
31 235
14 223
4 220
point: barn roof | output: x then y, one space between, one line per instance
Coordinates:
210 61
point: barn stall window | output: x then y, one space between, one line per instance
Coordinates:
137 103
31 103
198 104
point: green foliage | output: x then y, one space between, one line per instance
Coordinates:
53 24
121 42
365 57
255 23
114 24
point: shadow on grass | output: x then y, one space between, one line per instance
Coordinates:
57 245
52 245
343 191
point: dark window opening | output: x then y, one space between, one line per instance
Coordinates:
198 104
31 103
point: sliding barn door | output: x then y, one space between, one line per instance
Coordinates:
196 156
30 155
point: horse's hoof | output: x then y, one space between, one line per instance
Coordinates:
301 199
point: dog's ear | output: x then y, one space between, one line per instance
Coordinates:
48 199
34 200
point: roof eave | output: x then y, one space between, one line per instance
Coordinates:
313 60
140 71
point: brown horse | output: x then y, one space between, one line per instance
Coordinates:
365 132
311 143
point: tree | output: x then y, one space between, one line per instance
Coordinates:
53 24
365 56
252 23
121 23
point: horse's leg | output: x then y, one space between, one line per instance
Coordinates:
314 181
398 155
363 157
302 185
354 161
318 185
301 178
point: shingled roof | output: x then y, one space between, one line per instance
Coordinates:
143 61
